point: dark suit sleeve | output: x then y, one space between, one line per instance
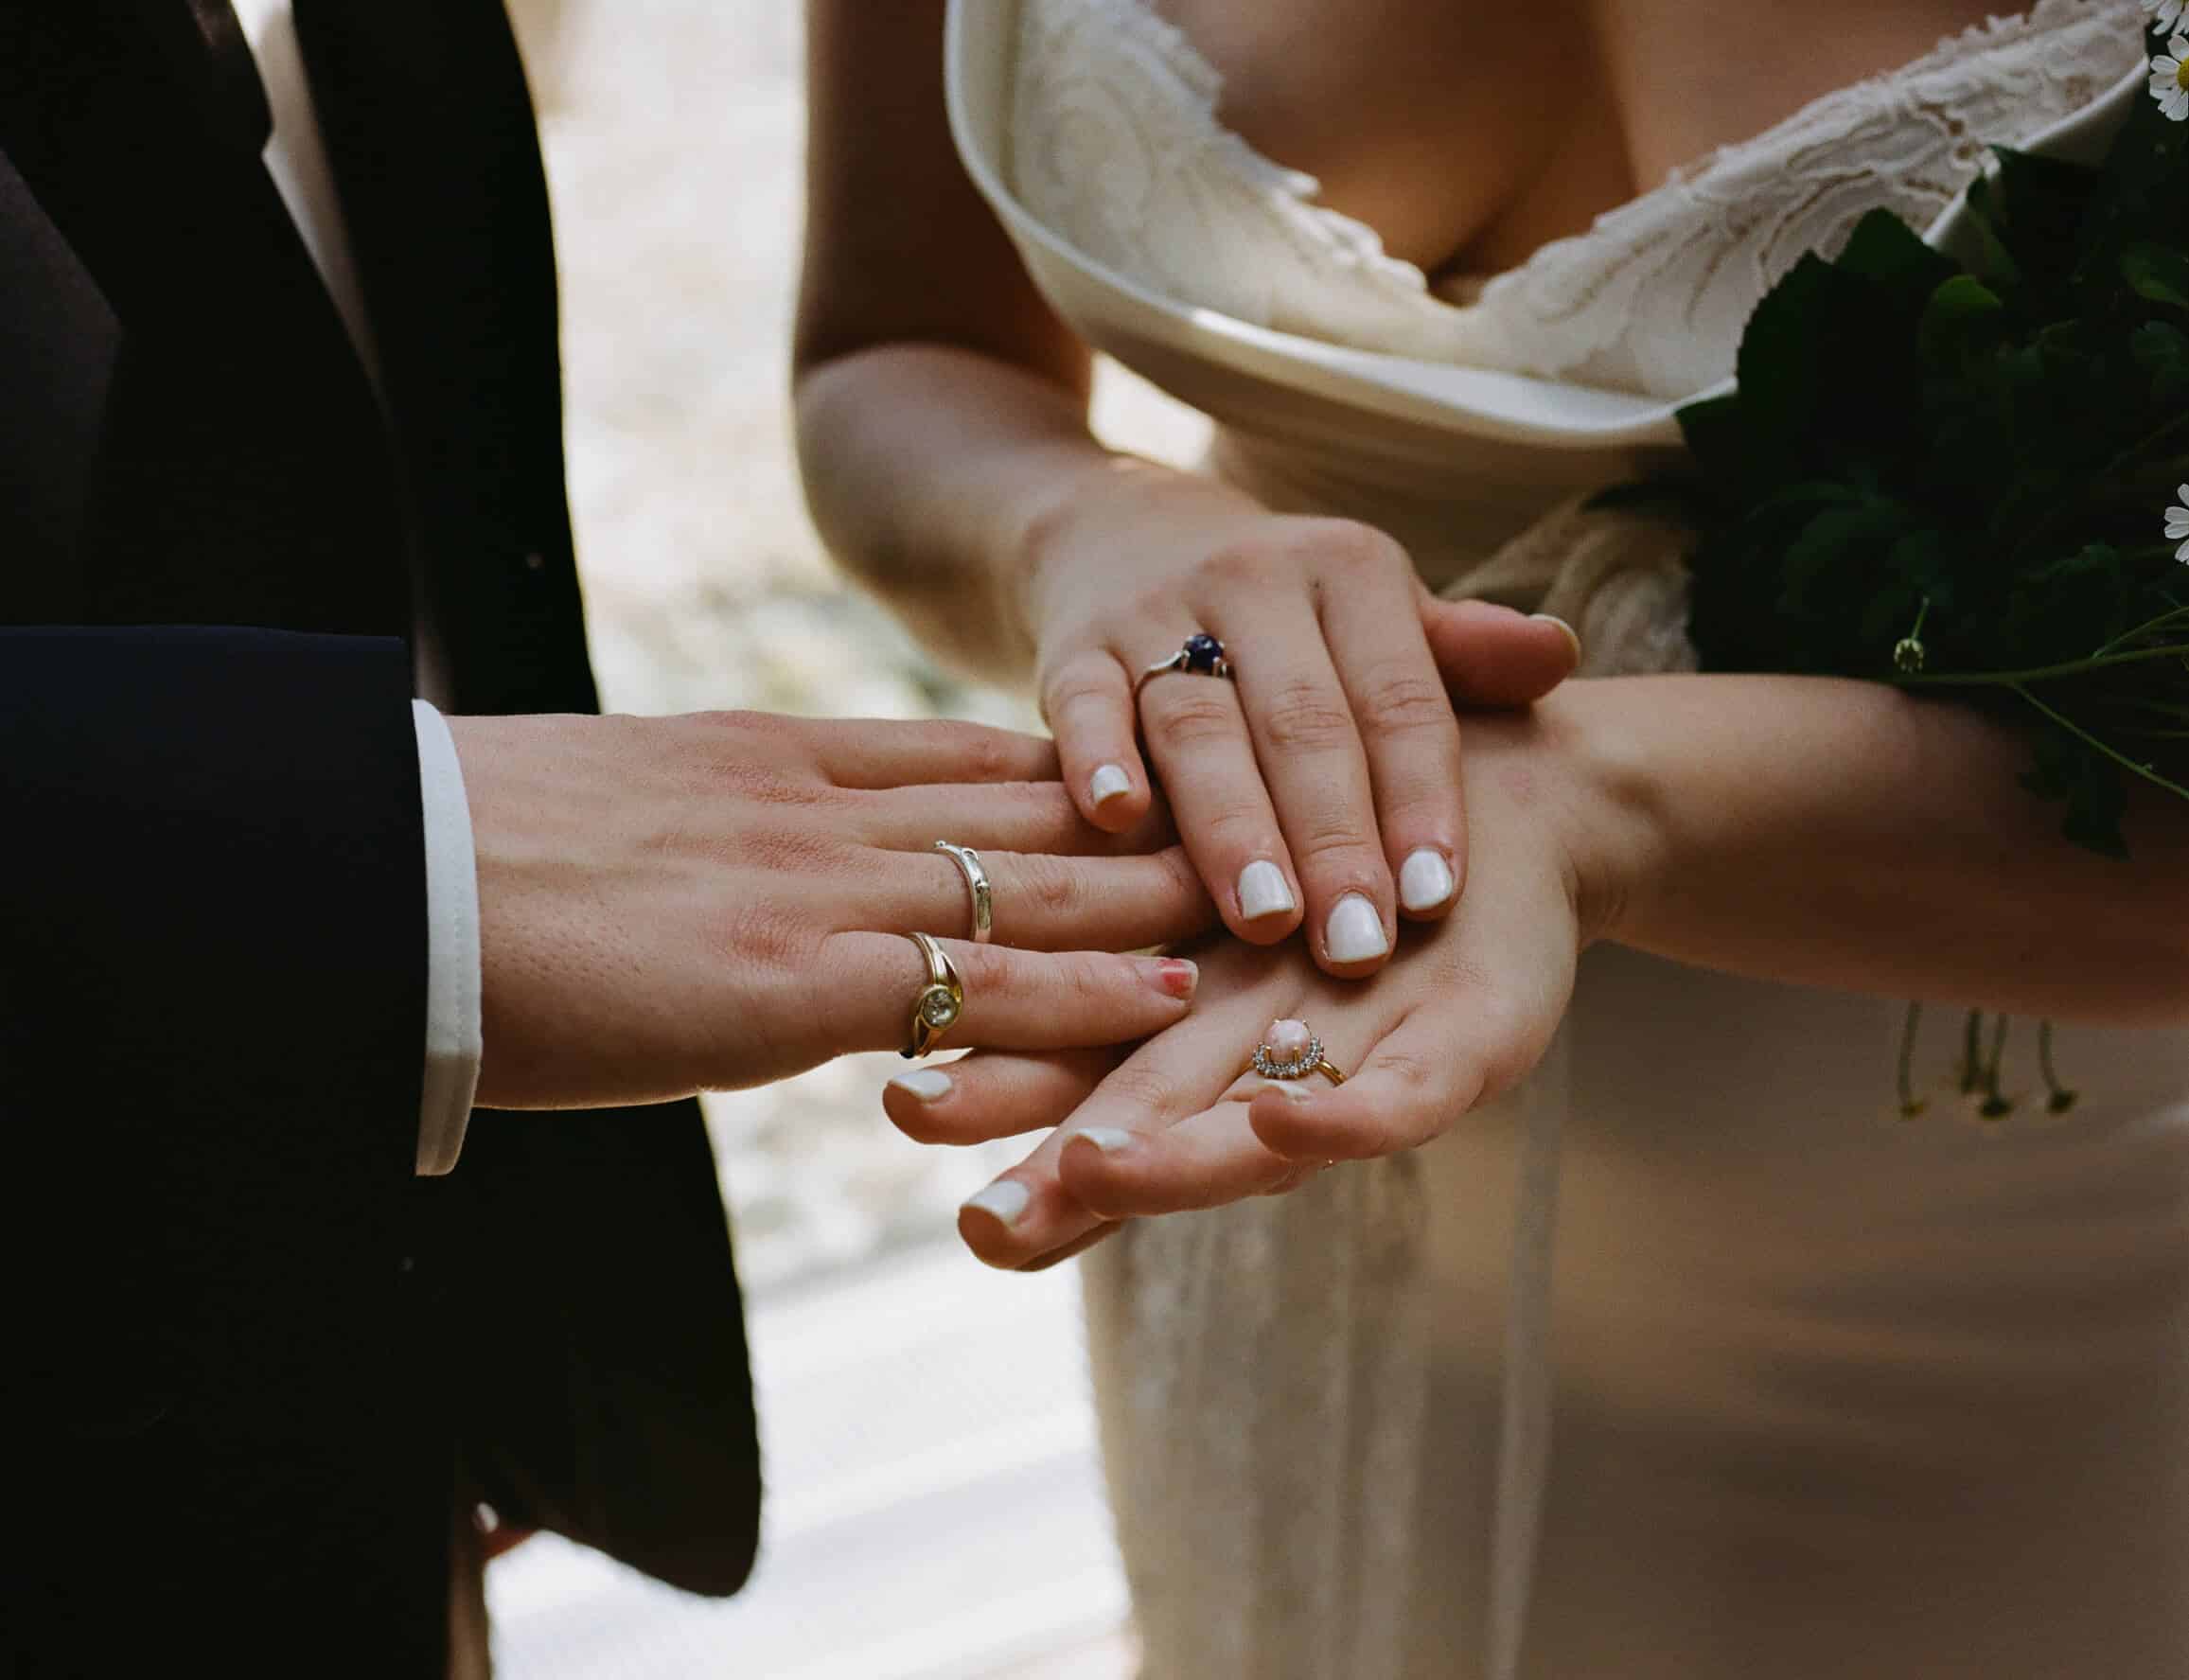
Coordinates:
212 984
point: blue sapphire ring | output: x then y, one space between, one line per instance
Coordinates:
1202 656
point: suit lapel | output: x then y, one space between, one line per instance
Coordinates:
429 127
241 474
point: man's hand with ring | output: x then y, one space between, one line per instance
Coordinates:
676 904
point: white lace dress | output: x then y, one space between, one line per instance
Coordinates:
1834 1395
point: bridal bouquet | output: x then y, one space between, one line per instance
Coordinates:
1974 475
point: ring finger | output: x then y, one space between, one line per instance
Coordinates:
1040 902
1199 738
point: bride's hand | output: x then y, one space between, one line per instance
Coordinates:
1329 769
1464 1010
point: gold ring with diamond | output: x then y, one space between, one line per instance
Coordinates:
968 862
1292 1051
941 1001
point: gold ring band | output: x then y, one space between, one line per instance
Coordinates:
968 862
936 1010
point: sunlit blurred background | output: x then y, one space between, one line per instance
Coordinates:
935 1511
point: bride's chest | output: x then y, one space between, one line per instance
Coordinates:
1422 119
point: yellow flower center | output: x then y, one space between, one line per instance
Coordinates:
2182 74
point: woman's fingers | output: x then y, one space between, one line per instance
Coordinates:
993 1094
1409 732
1198 737
1495 657
1088 702
911 755
867 984
1203 1160
1309 754
1010 816
1430 1069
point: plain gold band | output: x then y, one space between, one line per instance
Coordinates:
935 1010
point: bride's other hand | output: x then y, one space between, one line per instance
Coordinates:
1465 1009
1322 782
675 904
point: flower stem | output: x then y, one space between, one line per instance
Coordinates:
2083 735
1911 1105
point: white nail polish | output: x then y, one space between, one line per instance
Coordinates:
924 1083
1004 1200
1107 783
1571 634
1425 879
1263 891
1110 1139
1355 933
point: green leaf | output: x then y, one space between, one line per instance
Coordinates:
2161 351
1885 250
1963 314
2157 273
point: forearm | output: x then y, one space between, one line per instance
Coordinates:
1844 834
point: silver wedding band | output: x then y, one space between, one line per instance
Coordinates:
968 862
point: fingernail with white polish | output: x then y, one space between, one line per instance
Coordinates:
1107 783
924 1083
1425 879
1263 891
1571 634
1355 933
1003 1201
1110 1139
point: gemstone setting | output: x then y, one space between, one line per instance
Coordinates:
938 1008
1286 1062
1202 653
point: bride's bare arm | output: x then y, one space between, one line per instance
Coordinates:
1799 829
942 434
1844 834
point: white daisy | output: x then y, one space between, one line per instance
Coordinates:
2177 524
2165 14
2170 79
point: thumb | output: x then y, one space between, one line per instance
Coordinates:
1493 656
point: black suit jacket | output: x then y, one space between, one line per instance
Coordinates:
247 1348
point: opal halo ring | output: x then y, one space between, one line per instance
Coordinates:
968 862
1291 1050
941 1001
1201 656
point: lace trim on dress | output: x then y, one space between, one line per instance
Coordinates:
1117 145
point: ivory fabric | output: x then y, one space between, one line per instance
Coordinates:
1834 1394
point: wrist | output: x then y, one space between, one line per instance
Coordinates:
1617 843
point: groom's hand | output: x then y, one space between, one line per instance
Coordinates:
717 900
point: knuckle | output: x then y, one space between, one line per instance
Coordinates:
1301 715
1246 566
1402 701
1190 718
1054 888
1347 545
1141 1086
1081 687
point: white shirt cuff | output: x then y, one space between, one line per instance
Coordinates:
452 1026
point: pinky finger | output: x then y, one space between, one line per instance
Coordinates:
1088 702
